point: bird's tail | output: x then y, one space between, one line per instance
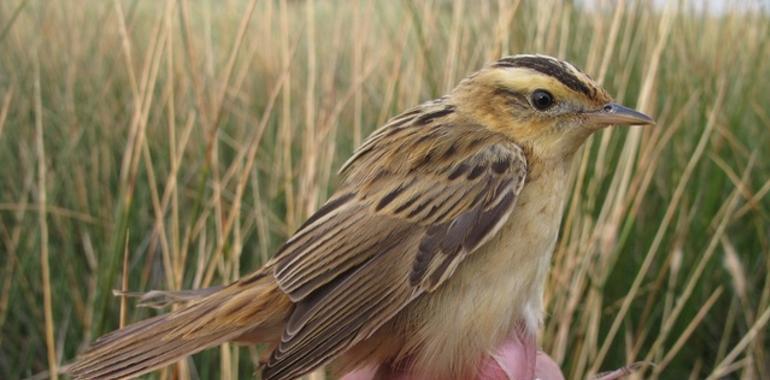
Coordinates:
252 308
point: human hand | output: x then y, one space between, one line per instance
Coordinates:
512 361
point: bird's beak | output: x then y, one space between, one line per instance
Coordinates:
614 113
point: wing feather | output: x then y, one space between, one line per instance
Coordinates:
401 224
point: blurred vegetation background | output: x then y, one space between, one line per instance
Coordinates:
175 144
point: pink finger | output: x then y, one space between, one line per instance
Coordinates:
516 359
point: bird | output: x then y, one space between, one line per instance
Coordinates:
434 248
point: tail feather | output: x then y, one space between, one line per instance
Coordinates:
246 306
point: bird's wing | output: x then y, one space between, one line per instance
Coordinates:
400 225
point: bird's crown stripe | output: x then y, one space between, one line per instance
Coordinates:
561 71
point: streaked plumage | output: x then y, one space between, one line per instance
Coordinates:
434 248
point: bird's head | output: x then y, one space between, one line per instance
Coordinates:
541 102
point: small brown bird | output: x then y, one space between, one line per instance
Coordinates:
433 250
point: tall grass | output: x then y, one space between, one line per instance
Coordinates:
168 145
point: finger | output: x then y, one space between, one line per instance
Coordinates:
366 373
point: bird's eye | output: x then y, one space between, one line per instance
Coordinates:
542 99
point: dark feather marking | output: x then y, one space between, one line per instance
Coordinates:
459 170
453 206
503 185
445 238
486 193
458 230
378 155
473 143
403 119
298 237
406 204
301 236
401 125
423 161
445 206
435 277
426 252
380 175
428 117
420 266
503 63
513 98
362 152
449 152
487 220
330 206
251 314
208 309
419 208
406 114
431 212
301 314
425 137
312 284
289 255
334 248
390 197
501 166
477 171
434 133
548 67
451 242
373 143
